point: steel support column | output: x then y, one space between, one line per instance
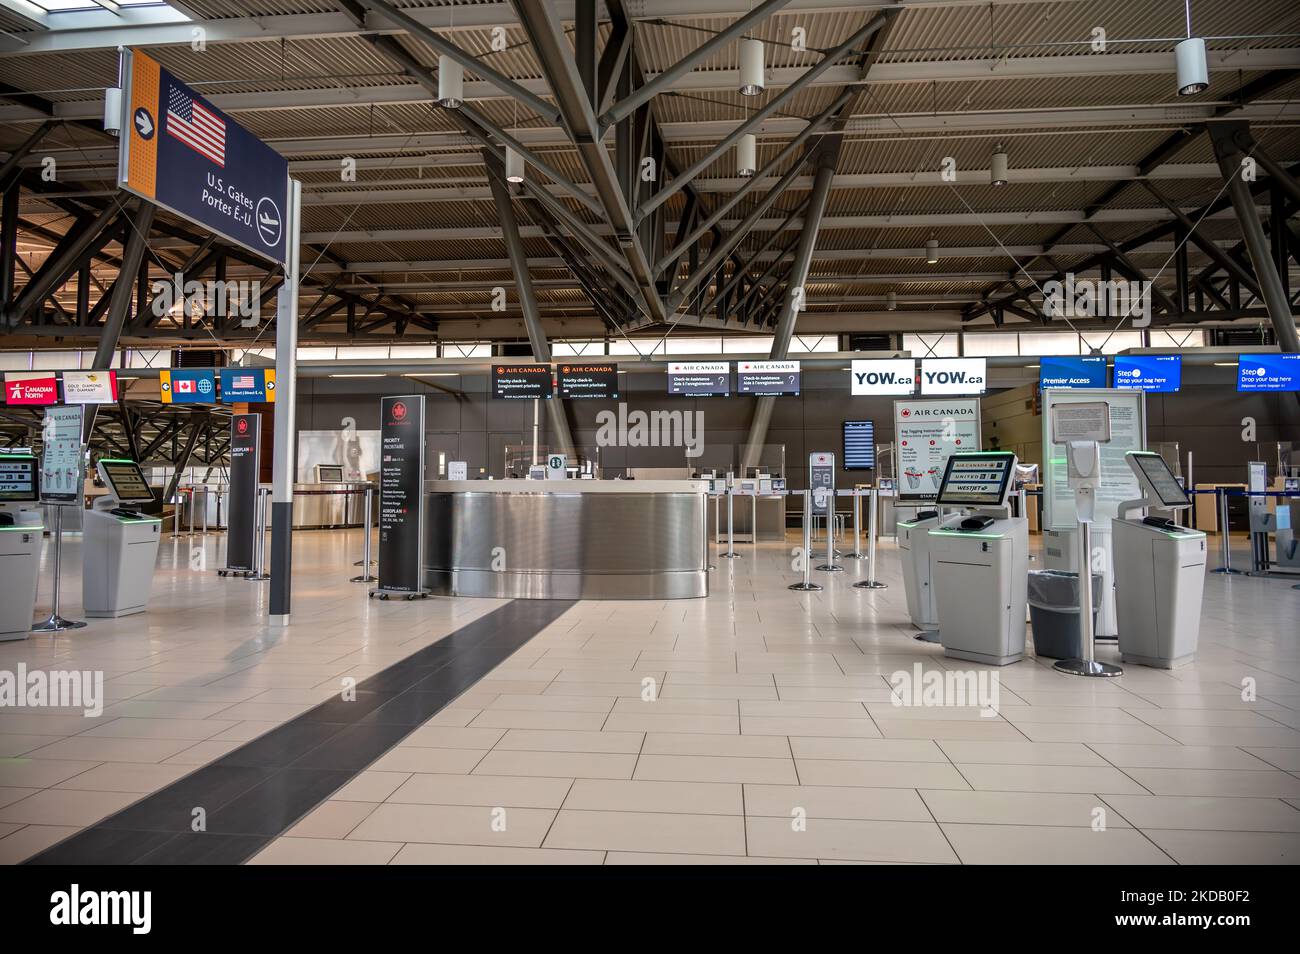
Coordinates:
1229 155
8 246
821 191
527 301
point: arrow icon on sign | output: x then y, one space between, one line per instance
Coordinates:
144 122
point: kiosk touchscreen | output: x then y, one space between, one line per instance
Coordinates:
1159 570
21 537
121 543
980 562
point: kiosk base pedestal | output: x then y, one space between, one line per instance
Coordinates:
1087 667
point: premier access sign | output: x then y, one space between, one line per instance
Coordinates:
182 153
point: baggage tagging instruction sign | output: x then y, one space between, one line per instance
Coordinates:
928 432
182 153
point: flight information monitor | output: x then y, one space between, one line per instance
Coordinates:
126 480
976 480
1155 473
859 445
18 480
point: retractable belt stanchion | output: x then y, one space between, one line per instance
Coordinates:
366 576
178 514
205 510
871 583
807 583
830 566
856 553
1225 545
731 553
55 623
259 543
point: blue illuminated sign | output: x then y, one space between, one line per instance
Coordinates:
1072 372
1268 372
1149 372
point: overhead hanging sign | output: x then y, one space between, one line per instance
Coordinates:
1268 372
887 376
89 387
525 382
1149 372
1069 371
254 385
180 152
768 378
588 381
699 378
187 385
31 388
928 433
954 375
401 493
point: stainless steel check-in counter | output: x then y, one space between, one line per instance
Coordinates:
572 539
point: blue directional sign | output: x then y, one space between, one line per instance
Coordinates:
182 153
1149 372
1268 372
1072 372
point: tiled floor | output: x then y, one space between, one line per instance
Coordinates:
753 726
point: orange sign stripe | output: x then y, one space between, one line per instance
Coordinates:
142 169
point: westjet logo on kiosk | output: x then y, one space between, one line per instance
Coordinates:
953 375
888 376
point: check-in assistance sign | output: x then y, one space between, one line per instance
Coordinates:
182 153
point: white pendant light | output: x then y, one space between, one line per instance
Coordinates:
746 156
931 252
891 301
451 82
514 166
751 67
998 166
1190 62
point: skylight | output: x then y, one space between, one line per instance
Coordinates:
74 14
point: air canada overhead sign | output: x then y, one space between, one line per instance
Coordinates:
182 153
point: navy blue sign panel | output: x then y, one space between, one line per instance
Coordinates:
1268 372
181 152
1071 372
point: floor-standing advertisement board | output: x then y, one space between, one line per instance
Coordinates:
928 432
62 461
401 495
245 469
1128 431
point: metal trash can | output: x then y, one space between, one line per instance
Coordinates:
1054 612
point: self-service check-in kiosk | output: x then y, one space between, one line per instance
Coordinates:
918 569
980 564
1159 571
120 544
21 536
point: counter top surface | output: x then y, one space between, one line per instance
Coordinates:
567 486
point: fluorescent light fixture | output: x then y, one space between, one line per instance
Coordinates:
378 375
751 67
432 374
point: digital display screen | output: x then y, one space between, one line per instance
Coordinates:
18 481
1268 372
770 378
1161 373
859 445
523 382
699 378
126 480
1162 480
1072 372
976 480
329 473
588 381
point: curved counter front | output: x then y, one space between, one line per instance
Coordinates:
573 539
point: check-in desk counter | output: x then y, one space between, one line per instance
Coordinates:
341 504
770 510
570 539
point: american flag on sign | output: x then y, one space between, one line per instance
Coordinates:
196 126
242 382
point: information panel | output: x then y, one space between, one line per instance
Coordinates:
954 375
885 376
89 387
245 471
31 388
768 378
821 480
1070 371
1268 372
588 381
1118 482
251 385
401 493
928 432
187 385
1149 372
62 460
523 382
859 445
181 152
699 378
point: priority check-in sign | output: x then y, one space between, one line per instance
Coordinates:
182 153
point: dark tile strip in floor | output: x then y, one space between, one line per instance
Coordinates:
256 792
